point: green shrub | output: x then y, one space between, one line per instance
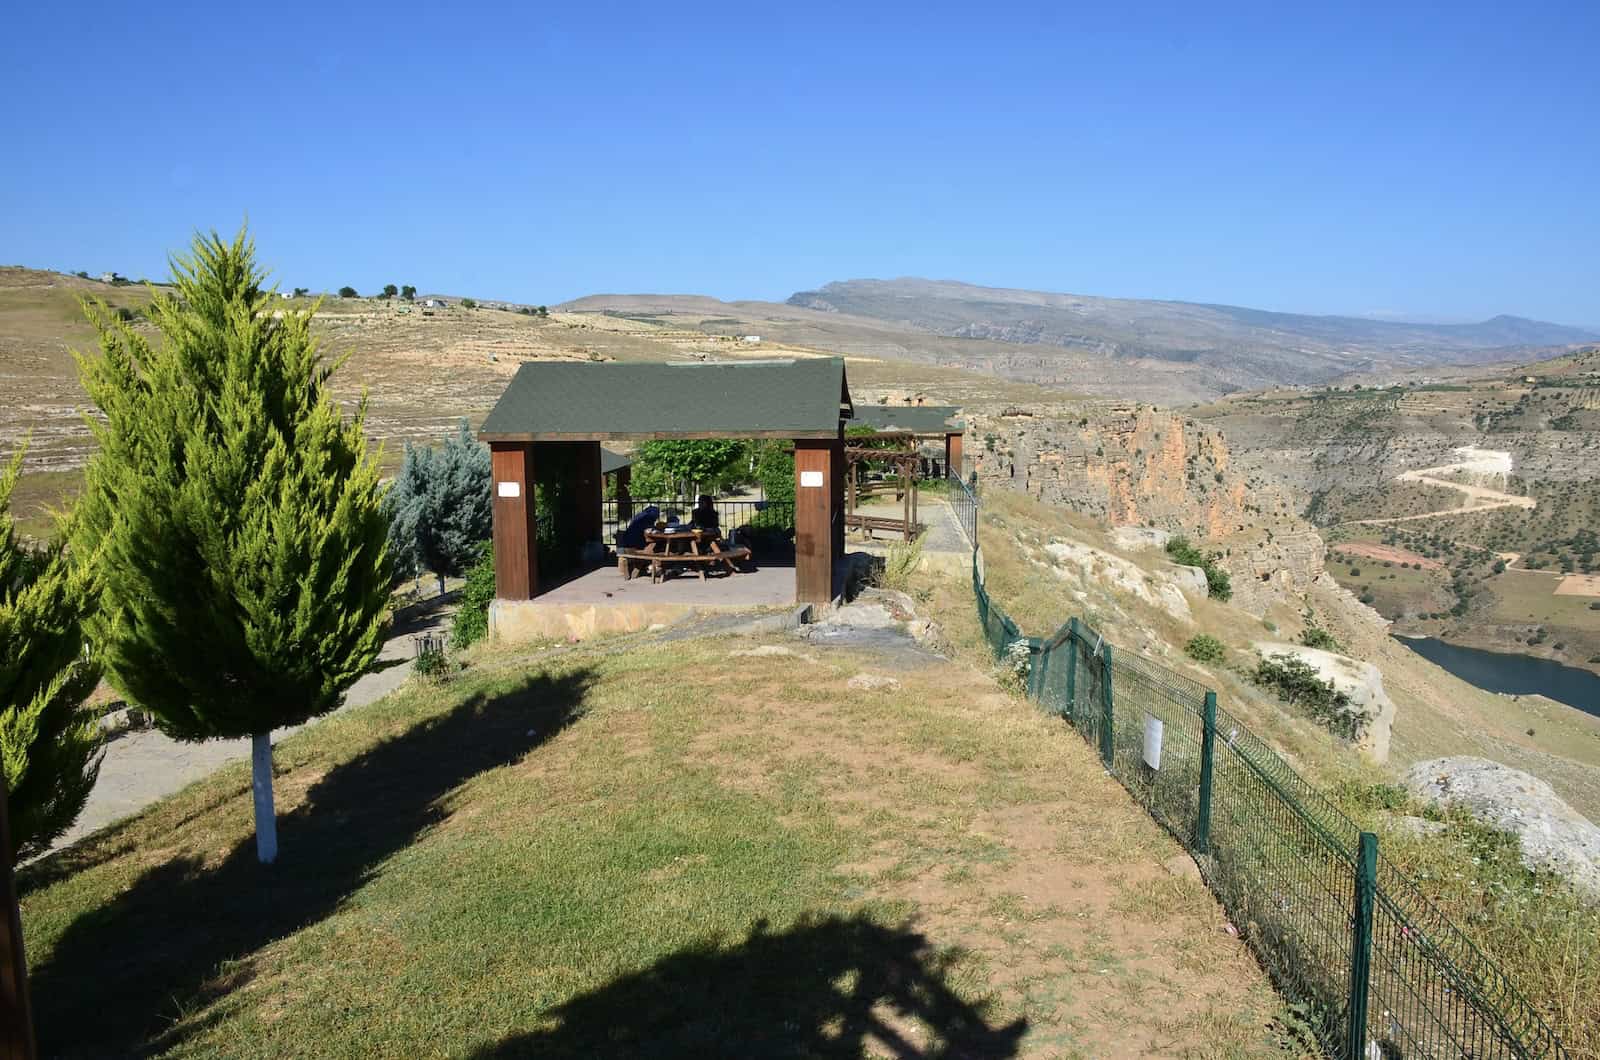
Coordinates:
901 563
431 663
1317 637
1218 585
472 615
1203 647
1299 684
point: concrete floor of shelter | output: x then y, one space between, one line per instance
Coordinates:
766 586
600 601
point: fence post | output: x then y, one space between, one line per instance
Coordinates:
1361 946
1072 670
1208 747
1037 662
1107 722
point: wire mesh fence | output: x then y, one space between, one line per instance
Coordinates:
1369 966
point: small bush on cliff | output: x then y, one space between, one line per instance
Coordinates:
1299 684
1218 584
1203 647
1315 636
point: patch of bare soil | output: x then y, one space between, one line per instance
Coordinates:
998 833
1387 552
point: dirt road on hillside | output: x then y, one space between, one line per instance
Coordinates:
1474 461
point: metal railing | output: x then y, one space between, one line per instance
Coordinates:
1369 965
731 513
964 502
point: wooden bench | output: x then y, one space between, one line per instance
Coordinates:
661 562
871 523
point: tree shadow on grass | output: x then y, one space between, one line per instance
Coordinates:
120 975
830 986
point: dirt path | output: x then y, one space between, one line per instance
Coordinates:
143 766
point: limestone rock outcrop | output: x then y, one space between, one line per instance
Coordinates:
1082 563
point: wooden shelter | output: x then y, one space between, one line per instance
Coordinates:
935 424
554 415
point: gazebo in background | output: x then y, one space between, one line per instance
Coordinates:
935 425
547 429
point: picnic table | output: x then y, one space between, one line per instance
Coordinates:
684 548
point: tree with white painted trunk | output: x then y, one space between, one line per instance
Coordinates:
233 513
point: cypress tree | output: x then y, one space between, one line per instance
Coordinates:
50 747
234 513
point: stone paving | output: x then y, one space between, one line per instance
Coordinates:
144 765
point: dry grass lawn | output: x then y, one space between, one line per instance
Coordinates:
671 848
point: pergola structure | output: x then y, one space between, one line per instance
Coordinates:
898 449
554 415
930 423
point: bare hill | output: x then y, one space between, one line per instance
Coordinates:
1244 347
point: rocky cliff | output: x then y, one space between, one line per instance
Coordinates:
1136 465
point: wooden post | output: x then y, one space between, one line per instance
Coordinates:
850 481
16 1011
952 456
915 515
815 508
905 493
516 546
836 492
624 496
588 489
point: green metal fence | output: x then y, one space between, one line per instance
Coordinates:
1373 969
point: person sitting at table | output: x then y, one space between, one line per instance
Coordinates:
633 535
705 514
671 521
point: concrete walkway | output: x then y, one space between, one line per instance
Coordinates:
143 766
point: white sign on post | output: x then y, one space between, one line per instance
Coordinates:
1152 742
810 478
509 489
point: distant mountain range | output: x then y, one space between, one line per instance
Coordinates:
1305 348
1167 352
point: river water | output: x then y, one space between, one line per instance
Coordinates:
1515 674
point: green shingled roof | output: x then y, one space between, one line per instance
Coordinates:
918 419
610 461
571 401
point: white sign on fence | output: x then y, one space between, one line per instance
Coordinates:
1152 742
509 489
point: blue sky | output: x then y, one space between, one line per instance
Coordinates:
1437 161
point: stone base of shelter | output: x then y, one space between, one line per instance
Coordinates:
603 601
522 621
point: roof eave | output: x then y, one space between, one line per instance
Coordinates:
648 436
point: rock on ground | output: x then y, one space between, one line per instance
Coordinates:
1134 538
1361 681
866 682
1554 836
1090 563
1189 579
